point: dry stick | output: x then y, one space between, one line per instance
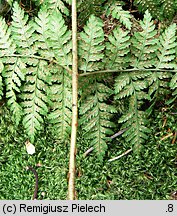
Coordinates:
165 137
175 135
127 70
71 184
36 184
112 137
115 158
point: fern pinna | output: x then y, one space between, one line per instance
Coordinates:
95 113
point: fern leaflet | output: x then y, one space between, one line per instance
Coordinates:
90 45
118 13
95 114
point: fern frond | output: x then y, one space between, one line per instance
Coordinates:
90 46
55 41
123 16
1 84
165 59
60 39
134 85
13 71
144 44
58 4
6 47
96 115
117 49
159 9
14 74
61 96
42 26
136 123
86 8
35 98
173 86
22 31
166 51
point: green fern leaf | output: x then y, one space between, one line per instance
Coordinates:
118 13
173 86
42 26
22 33
86 8
134 85
116 49
58 4
7 47
144 44
165 60
60 39
96 115
1 84
136 123
61 96
167 45
35 99
90 46
13 71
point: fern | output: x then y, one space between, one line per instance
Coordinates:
60 40
22 32
1 84
165 59
42 40
55 42
118 13
159 9
13 72
36 59
173 85
95 113
87 8
91 47
29 56
117 49
134 84
35 98
61 96
58 4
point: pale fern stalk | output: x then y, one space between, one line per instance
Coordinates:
71 185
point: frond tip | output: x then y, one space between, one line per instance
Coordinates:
123 16
90 46
35 99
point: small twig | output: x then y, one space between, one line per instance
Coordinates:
118 133
112 137
125 153
127 70
174 138
36 183
72 157
165 137
88 151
